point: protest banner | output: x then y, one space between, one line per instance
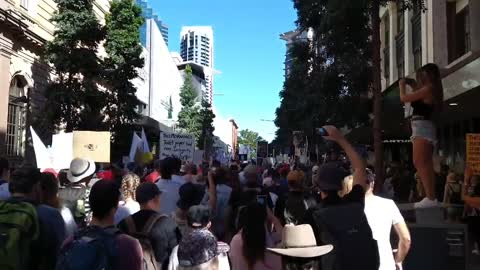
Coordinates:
473 152
62 150
135 147
177 145
198 157
92 145
42 154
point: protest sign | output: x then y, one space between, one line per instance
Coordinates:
198 157
91 145
473 152
134 148
177 145
62 150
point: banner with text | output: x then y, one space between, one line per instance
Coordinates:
177 145
93 145
473 152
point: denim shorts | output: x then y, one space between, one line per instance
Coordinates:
424 129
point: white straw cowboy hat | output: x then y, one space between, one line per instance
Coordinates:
80 169
299 241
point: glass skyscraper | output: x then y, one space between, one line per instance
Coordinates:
147 13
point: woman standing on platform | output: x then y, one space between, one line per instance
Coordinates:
426 100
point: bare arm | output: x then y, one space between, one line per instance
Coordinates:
404 241
419 94
360 173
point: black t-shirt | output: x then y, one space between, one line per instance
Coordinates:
164 235
356 196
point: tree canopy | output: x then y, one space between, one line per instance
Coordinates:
249 138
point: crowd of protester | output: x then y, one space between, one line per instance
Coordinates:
166 214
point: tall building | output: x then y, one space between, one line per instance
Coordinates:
147 13
291 38
197 47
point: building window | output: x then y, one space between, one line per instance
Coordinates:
15 137
417 36
458 31
386 50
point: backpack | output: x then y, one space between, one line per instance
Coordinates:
149 260
345 226
93 248
19 228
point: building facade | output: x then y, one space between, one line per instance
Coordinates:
291 38
446 33
197 47
147 13
165 78
24 29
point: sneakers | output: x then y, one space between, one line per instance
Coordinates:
426 203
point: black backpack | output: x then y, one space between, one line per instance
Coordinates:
345 226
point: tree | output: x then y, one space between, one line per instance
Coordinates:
188 115
123 48
75 102
249 138
328 81
206 117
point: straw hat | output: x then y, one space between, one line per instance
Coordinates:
299 241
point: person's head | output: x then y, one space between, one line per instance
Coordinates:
148 196
284 170
4 169
254 233
49 186
103 199
330 178
25 182
296 180
190 169
130 183
190 195
199 250
168 167
199 217
430 75
219 175
177 165
81 171
250 174
370 181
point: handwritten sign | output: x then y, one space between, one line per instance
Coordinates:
91 145
177 145
473 152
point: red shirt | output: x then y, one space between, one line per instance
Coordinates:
152 177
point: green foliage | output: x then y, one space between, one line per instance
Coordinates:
249 137
74 98
188 115
206 117
123 48
330 74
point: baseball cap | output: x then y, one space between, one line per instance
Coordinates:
190 195
198 216
330 177
197 248
146 192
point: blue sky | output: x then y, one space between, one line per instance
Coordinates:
248 52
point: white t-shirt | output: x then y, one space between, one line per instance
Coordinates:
126 209
382 214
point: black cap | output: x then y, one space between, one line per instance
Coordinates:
330 176
146 191
190 195
198 216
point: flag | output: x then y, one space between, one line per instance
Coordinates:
136 143
145 145
42 155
